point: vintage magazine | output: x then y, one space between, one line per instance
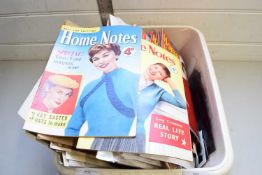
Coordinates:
167 44
162 123
161 39
90 82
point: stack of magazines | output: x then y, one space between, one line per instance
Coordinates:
114 97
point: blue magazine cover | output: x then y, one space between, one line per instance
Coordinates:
90 84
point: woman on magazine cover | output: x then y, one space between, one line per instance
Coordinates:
107 103
149 95
56 90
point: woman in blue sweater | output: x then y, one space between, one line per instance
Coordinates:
108 103
149 96
150 90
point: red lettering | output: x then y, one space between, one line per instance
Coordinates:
152 50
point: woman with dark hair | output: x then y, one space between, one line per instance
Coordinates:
149 96
110 99
150 90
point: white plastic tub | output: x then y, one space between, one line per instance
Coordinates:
193 48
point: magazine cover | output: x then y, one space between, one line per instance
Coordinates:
162 123
167 44
90 82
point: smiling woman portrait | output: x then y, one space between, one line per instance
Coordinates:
108 100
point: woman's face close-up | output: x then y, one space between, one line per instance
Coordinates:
105 60
56 96
155 72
